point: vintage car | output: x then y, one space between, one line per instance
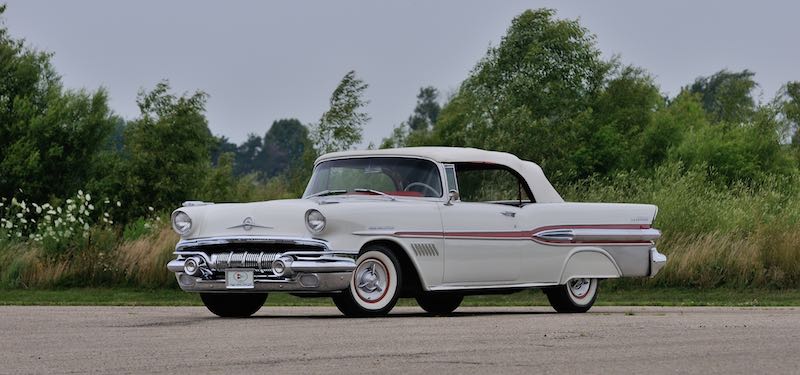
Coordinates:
432 223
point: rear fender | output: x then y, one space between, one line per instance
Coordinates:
589 262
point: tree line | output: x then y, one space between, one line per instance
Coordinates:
543 93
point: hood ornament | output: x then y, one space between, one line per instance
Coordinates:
248 224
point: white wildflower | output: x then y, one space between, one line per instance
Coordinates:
88 197
91 207
86 226
58 209
80 193
105 214
119 204
51 212
38 210
19 215
69 201
23 221
150 208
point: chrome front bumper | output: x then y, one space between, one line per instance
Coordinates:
657 261
301 282
277 264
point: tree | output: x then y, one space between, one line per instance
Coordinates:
419 124
530 94
247 155
284 145
426 111
49 136
622 110
727 96
788 103
222 146
341 126
169 147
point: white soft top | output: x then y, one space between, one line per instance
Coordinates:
541 188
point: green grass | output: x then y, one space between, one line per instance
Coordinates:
612 297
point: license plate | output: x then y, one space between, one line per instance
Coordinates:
239 279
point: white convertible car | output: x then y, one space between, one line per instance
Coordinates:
432 223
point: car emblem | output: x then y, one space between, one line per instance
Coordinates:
248 224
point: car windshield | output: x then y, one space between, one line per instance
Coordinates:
376 176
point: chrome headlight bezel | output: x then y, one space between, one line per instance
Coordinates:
181 222
315 221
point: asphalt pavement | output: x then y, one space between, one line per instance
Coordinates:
318 340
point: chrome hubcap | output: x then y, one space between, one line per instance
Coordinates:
579 287
371 280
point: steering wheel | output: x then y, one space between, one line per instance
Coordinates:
424 185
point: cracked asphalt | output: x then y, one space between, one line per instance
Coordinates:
503 340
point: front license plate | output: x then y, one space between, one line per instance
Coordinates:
239 279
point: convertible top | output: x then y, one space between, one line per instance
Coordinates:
530 171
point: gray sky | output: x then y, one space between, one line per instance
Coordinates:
261 61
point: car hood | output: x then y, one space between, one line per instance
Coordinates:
271 218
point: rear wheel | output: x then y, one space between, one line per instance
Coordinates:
233 305
439 303
577 296
375 286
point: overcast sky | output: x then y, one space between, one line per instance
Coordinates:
261 61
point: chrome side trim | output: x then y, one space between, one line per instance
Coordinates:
484 286
224 240
598 235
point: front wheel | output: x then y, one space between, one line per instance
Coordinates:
233 305
375 286
439 303
577 296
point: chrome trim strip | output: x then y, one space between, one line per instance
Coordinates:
501 286
224 240
598 235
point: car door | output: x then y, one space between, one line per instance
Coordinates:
483 244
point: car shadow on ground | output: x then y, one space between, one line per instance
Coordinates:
401 315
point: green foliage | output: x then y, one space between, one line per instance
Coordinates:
426 111
535 87
341 125
168 149
49 137
727 96
284 146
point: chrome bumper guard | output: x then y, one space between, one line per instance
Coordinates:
657 261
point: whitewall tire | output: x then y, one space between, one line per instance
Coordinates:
375 285
576 296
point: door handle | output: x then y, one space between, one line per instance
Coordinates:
508 213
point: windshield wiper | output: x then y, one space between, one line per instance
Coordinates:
327 192
362 190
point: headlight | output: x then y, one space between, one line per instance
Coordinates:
315 221
181 222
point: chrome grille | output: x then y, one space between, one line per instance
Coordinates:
259 261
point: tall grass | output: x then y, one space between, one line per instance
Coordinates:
715 235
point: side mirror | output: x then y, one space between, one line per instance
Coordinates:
452 197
